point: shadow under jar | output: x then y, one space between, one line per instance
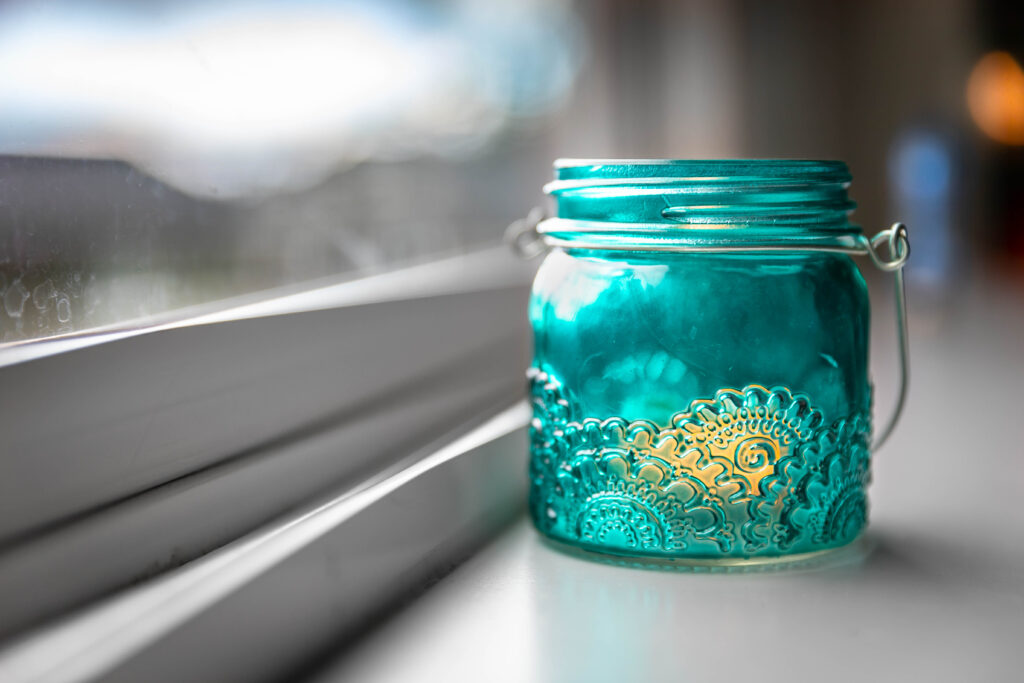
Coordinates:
700 384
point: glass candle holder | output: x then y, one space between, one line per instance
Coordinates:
700 381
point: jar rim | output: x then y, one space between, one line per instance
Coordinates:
780 195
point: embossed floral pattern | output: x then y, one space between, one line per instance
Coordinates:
749 472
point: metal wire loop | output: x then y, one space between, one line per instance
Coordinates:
522 236
898 244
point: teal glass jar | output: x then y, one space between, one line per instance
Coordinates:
700 383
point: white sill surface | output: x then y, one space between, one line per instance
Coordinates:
938 594
912 609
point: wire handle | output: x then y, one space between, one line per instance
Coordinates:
528 240
899 252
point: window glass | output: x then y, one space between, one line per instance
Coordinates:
157 155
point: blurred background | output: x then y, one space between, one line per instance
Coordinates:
159 155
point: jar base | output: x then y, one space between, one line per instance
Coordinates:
851 553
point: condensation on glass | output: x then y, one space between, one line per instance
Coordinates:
700 384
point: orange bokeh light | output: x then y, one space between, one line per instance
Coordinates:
995 97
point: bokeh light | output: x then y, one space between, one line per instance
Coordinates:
995 97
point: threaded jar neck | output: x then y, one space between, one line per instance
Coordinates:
703 200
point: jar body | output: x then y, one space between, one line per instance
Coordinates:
700 405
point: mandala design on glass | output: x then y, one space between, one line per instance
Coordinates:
623 462
747 433
819 498
749 472
621 509
549 448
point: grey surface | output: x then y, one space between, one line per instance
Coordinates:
260 608
937 594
